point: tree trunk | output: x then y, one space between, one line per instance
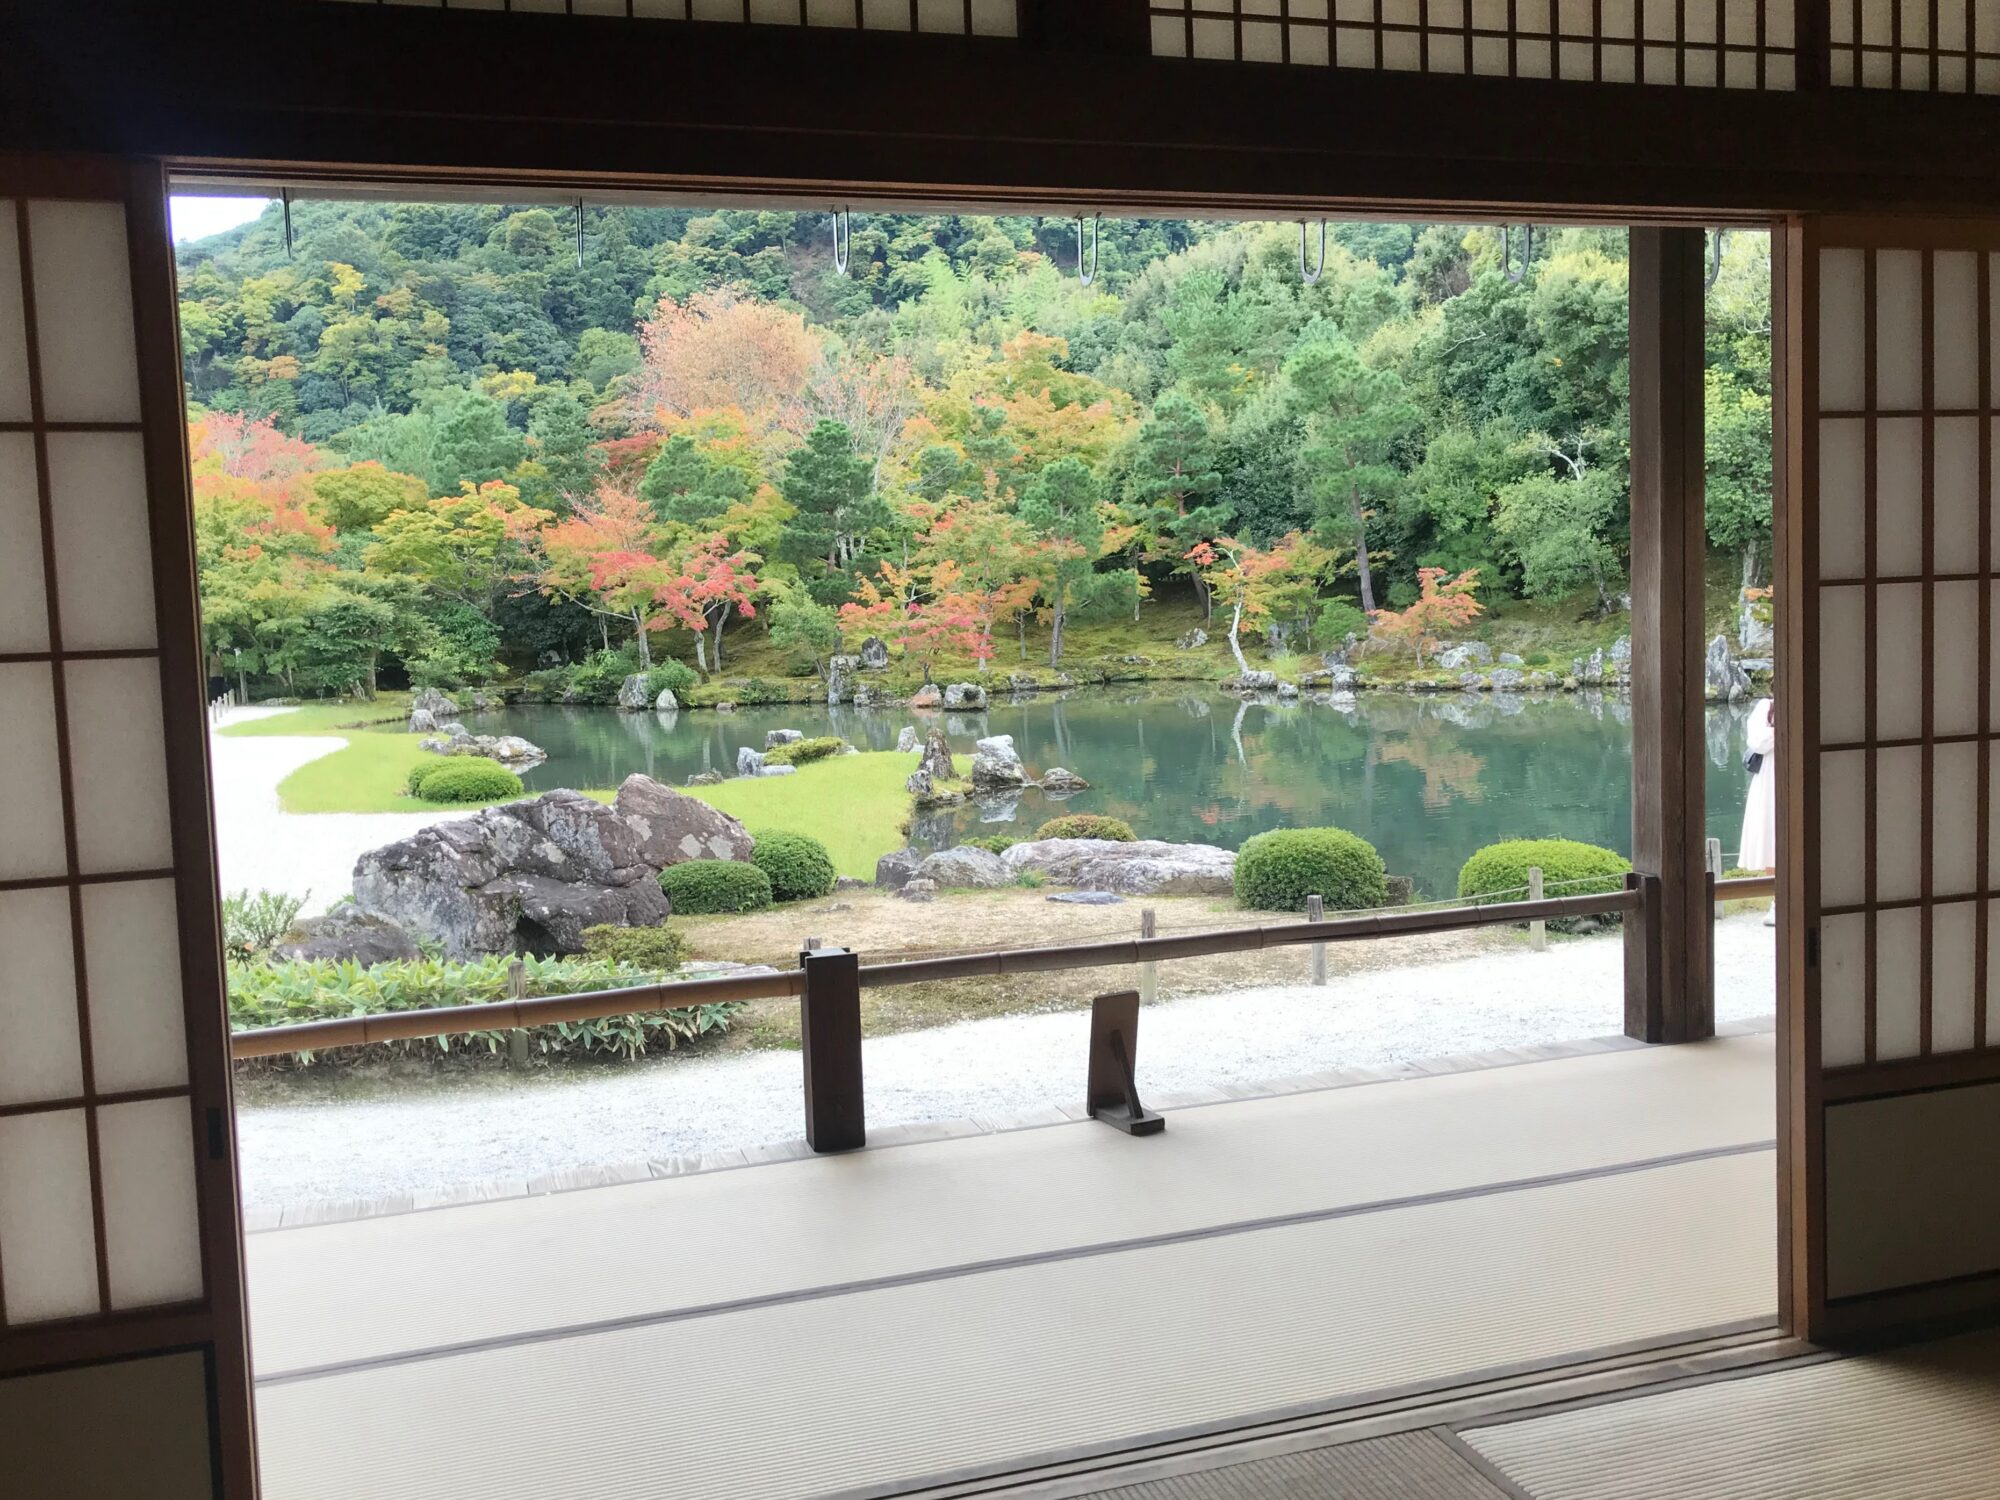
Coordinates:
1361 568
604 630
1056 630
720 620
645 646
1207 596
701 650
1235 646
1753 565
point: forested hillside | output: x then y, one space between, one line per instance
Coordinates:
450 438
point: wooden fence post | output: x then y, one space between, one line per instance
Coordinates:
830 1036
517 989
1316 912
1538 930
1149 972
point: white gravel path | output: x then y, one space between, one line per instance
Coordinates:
445 1133
262 847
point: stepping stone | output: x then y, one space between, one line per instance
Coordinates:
1088 898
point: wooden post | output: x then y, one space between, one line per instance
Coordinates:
517 989
1149 972
1669 551
1316 912
830 1035
1538 930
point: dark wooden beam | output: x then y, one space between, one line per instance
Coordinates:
1670 964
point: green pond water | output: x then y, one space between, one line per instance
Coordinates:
1427 780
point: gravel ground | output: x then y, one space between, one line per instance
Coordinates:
262 847
348 1138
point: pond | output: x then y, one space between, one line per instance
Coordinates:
1427 780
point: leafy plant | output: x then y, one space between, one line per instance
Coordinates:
1087 826
707 887
757 690
805 752
677 675
1499 872
992 843
659 948
799 866
263 994
598 679
253 920
1032 879
1276 871
468 779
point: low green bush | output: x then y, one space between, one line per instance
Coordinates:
253 920
1087 826
419 771
706 887
1032 880
992 843
263 994
468 778
1276 871
659 948
799 866
598 679
757 690
1535 659
677 675
1499 872
805 752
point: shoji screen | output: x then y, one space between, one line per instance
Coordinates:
118 1236
1889 730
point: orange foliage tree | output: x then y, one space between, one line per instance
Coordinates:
717 350
1444 605
1253 582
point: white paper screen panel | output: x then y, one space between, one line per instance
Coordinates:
1908 672
1746 44
946 17
1892 44
98 1199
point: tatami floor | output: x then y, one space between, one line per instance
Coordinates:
966 1309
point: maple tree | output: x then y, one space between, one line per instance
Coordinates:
1444 604
719 350
606 556
1254 581
924 616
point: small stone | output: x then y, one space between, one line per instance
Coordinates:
908 740
1509 659
1288 690
1087 898
1194 640
918 889
777 770
874 654
849 883
705 778
1061 782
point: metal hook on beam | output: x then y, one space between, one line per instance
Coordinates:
1087 277
843 239
285 201
1507 250
1311 278
1714 263
579 234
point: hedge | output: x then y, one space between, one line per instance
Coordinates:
1087 826
707 887
467 779
804 752
659 948
1276 871
262 994
1499 872
799 866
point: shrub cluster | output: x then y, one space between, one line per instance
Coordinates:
465 778
799 867
1276 871
598 679
677 675
658 948
992 843
805 752
757 690
262 994
253 921
1087 826
1499 872
707 887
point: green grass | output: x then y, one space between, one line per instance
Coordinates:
853 804
367 774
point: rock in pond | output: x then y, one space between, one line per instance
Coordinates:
431 701
776 737
926 696
1148 867
894 871
422 721
522 877
996 766
347 934
874 654
1061 782
840 672
965 867
908 740
667 703
964 695
937 758
749 762
632 694
673 826
1252 682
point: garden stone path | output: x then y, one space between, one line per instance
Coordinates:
262 847
312 1139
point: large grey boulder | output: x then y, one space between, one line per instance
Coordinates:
966 868
749 762
422 721
672 826
776 737
1058 781
633 695
996 765
894 871
936 763
667 703
1508 680
840 672
347 934
1726 678
1253 682
435 703
1148 867
874 654
523 877
908 740
1456 658
964 695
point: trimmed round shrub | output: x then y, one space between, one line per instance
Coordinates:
468 779
1087 826
799 867
1276 871
419 771
659 948
1499 872
804 752
707 887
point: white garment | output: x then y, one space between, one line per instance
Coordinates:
1759 843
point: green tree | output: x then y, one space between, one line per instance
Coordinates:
828 486
687 487
1172 488
474 445
1061 505
1563 531
360 496
562 443
805 629
1739 473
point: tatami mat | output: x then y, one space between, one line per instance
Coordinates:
1407 1466
872 1390
372 1288
1917 1424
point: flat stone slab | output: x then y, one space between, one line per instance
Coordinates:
1088 898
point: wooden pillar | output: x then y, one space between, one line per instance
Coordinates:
1669 958
830 1038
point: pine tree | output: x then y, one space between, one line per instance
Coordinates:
1061 504
827 485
